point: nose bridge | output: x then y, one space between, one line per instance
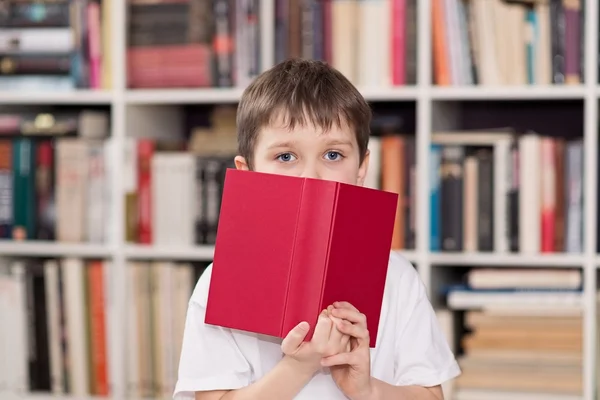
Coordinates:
311 170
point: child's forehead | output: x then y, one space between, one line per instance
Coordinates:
286 121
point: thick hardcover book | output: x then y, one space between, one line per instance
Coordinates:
287 247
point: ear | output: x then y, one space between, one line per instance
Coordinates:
241 163
362 170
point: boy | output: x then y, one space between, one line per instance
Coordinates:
304 118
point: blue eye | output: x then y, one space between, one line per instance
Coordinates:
333 155
285 157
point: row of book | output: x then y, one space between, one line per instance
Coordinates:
175 199
157 300
58 341
55 45
490 191
392 167
56 311
173 186
500 42
517 333
54 189
499 192
373 43
193 43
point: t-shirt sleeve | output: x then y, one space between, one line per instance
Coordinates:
210 358
423 355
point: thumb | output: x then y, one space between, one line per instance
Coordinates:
294 338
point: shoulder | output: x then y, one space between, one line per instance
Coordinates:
403 281
200 293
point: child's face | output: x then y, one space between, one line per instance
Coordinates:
307 151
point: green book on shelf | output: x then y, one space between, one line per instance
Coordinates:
24 189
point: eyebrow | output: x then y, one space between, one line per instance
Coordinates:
339 142
278 145
289 143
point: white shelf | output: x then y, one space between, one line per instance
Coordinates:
147 252
233 95
183 96
74 97
553 92
53 249
507 260
395 93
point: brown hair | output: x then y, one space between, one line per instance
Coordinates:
301 89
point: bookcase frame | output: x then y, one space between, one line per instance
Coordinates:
424 94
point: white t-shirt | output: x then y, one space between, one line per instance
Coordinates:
411 348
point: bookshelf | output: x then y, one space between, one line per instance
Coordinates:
152 112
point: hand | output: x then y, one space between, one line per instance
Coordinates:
325 342
351 369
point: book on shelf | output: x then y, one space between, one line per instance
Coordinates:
496 191
58 338
62 45
392 167
173 188
157 296
54 173
302 245
193 43
522 332
58 311
498 42
373 43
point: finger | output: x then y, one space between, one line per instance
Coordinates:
344 304
337 338
354 330
294 338
351 315
322 330
338 359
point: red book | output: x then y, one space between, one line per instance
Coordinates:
287 247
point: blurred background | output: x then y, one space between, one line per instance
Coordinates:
117 122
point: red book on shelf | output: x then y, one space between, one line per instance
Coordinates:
287 247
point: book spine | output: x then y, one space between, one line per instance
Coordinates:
486 201
24 189
145 150
45 191
6 189
451 193
434 197
309 257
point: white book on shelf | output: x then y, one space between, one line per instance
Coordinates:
529 194
53 310
71 193
96 186
167 370
574 196
6 316
501 186
173 182
370 64
73 272
373 177
19 335
466 300
133 335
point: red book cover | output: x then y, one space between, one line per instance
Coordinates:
287 247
